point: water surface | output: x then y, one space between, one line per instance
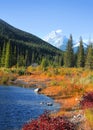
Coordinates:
19 105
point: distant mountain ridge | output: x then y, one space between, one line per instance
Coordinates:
59 40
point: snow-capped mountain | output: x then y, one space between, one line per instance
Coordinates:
59 40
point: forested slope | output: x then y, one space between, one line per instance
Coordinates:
19 48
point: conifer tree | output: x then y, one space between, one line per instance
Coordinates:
0 55
61 61
26 58
89 60
69 54
44 64
20 61
3 55
14 56
80 57
8 55
33 57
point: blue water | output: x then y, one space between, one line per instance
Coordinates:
19 105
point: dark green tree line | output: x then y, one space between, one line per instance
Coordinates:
16 53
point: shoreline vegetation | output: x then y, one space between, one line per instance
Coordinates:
66 86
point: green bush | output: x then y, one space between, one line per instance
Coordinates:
21 72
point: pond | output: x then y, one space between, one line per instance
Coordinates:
19 105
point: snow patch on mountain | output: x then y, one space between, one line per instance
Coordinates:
54 38
77 44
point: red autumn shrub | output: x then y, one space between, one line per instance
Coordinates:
45 122
87 100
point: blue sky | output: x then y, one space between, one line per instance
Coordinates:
40 17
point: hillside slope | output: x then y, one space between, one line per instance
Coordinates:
25 45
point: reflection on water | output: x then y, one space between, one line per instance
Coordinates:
19 105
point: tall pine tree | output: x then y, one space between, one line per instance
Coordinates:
81 57
3 55
69 54
8 55
0 55
14 56
89 60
